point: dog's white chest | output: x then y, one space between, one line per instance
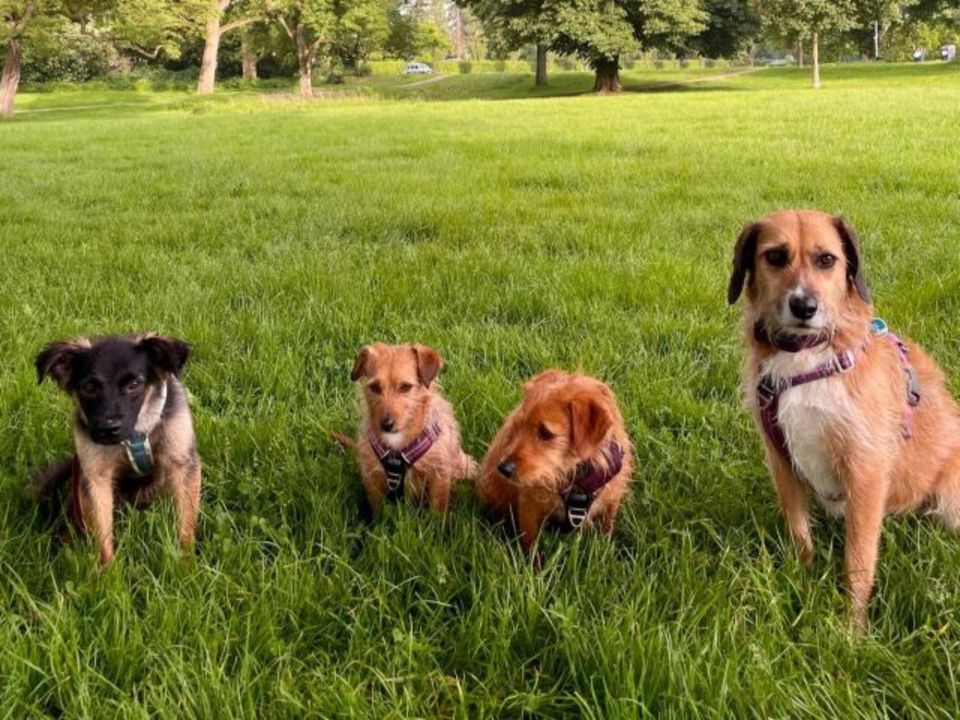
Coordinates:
806 414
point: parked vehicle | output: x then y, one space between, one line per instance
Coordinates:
948 53
418 69
919 55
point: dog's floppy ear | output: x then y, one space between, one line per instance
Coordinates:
743 254
851 251
57 360
429 363
590 421
361 365
167 354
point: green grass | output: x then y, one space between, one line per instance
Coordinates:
579 232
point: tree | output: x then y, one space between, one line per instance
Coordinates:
511 24
222 16
309 24
809 19
360 28
600 31
414 33
732 25
149 28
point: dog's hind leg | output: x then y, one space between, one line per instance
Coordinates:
438 490
946 496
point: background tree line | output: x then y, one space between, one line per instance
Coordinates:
75 40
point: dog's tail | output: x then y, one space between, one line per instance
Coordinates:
48 479
343 441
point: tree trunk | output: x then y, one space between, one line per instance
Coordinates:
800 53
816 61
208 65
541 65
607 75
248 58
305 63
10 80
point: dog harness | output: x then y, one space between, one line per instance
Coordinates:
396 462
139 457
769 389
586 481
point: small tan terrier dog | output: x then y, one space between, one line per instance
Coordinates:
849 413
562 455
409 440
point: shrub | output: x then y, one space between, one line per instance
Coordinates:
465 66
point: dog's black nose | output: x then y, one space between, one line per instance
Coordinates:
387 424
507 468
803 307
109 429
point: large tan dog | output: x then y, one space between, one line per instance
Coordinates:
846 409
562 455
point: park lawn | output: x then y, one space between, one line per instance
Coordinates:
577 232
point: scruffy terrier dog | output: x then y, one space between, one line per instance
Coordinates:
409 440
562 455
132 430
847 410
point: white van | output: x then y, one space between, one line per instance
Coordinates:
418 69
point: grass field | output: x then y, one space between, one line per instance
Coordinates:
579 232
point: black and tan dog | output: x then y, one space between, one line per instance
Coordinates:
132 430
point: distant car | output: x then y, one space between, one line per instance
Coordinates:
919 55
948 53
418 69
779 62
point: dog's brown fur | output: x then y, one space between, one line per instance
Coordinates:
399 383
104 469
879 470
564 419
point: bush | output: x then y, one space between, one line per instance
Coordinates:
465 67
659 64
709 63
71 57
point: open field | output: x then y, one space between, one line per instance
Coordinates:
591 232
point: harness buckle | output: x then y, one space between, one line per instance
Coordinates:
767 392
578 505
395 468
844 362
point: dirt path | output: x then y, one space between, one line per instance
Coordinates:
421 83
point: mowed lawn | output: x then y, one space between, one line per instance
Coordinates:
513 235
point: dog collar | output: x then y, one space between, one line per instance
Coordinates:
787 342
396 462
586 480
139 453
769 389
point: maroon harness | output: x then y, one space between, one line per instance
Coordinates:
396 462
769 389
587 480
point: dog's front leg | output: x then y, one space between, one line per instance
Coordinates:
866 485
530 517
186 498
96 503
438 490
792 495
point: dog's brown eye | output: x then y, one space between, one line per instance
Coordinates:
90 389
826 261
375 388
777 258
404 387
543 432
134 385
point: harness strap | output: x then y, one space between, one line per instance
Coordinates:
587 481
395 463
769 389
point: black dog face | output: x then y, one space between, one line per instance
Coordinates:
109 378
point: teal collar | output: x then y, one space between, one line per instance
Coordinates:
139 454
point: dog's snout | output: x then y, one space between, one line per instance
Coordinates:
108 429
507 468
387 423
803 306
